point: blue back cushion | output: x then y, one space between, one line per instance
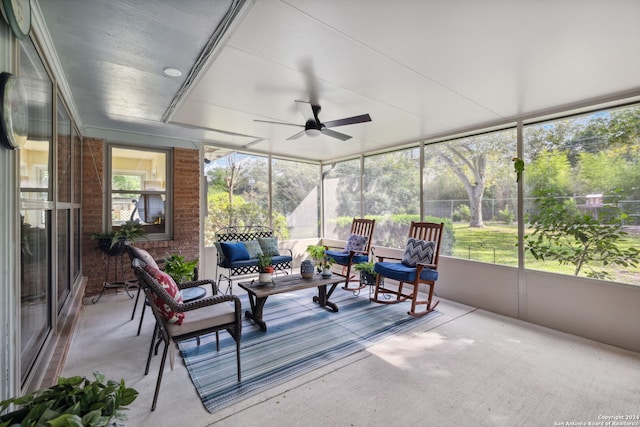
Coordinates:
234 251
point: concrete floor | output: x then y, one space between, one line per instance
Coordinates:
468 367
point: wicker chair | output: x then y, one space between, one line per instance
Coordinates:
204 316
135 252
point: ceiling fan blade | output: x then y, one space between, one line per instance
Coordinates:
348 121
296 136
334 134
308 111
278 123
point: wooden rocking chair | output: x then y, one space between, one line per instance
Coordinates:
419 265
356 250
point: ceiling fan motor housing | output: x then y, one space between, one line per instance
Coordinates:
313 125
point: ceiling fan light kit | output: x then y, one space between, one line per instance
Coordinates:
314 127
313 132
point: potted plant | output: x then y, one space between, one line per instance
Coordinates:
113 242
179 269
130 231
316 252
265 269
108 243
327 262
367 274
74 401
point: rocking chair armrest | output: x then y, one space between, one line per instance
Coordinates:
422 266
333 247
431 266
352 253
382 258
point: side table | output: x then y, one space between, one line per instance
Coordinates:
115 263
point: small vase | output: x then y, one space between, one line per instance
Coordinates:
265 277
306 269
326 273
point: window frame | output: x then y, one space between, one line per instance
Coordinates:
167 192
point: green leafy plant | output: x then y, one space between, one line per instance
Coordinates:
179 269
366 267
506 215
461 213
112 242
74 401
130 231
327 262
320 260
316 252
367 274
563 233
264 264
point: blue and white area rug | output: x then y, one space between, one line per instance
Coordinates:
300 337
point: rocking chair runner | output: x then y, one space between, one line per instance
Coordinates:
355 251
419 265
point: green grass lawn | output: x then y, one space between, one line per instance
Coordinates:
498 241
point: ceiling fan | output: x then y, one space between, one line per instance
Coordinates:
313 125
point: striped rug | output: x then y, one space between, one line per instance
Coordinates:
300 337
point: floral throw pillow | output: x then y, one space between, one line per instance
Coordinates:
356 243
418 252
172 289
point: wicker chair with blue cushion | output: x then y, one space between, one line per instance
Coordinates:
355 251
418 266
177 320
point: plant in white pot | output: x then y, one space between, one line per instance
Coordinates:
327 262
265 269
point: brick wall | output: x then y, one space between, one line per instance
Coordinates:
186 210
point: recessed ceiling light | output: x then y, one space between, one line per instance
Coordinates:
172 72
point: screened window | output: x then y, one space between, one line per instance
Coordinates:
392 194
238 194
342 201
469 184
582 195
295 197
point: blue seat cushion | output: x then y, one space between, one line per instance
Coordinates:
243 263
402 273
280 259
342 258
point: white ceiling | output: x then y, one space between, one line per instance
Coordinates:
420 68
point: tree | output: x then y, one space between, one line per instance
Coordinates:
563 233
477 161
392 183
549 172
